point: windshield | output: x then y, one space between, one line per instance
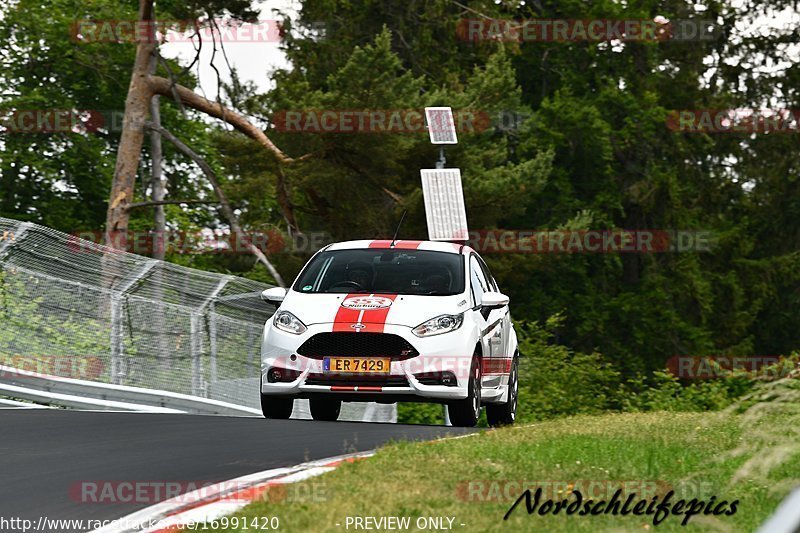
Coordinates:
383 271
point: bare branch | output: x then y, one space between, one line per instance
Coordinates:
367 177
163 86
225 206
214 55
197 50
393 195
235 86
173 91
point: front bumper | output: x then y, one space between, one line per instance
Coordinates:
409 379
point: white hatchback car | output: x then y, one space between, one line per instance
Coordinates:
391 321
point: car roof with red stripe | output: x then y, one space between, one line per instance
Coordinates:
437 246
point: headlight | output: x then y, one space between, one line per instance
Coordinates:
286 321
439 325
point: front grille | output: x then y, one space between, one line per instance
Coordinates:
344 344
356 381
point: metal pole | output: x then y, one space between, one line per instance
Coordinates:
116 340
786 518
197 369
12 237
440 163
208 306
118 367
212 339
250 343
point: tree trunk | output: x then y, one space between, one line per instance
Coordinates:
163 355
157 156
130 144
285 203
142 87
159 218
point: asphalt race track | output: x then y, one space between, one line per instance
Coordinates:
46 453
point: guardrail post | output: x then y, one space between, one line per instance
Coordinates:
15 236
116 371
118 367
250 349
197 363
209 307
212 340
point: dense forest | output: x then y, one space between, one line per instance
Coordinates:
571 135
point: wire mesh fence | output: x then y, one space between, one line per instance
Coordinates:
73 308
125 319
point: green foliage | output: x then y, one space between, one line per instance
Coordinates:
419 413
555 380
665 392
588 148
477 479
33 324
62 179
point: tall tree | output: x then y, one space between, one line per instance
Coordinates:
143 86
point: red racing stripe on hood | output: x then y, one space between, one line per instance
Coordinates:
375 319
371 320
345 316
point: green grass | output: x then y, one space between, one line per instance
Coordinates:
749 453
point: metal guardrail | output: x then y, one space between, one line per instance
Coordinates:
786 518
52 399
81 394
5 404
187 333
150 323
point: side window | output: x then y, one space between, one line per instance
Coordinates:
477 280
492 284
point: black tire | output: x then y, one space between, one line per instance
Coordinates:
504 414
324 409
279 407
465 413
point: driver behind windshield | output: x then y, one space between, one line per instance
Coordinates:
361 273
436 282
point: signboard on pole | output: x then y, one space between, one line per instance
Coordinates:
444 204
441 126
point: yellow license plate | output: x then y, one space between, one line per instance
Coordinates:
367 365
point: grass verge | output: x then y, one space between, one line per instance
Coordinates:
749 453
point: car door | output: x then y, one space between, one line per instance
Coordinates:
499 340
490 322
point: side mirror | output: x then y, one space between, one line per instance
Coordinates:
274 296
494 300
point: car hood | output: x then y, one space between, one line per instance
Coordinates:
370 309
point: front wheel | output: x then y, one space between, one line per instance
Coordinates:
504 414
465 413
276 406
323 409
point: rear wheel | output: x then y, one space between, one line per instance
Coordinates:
324 409
504 414
276 406
465 413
